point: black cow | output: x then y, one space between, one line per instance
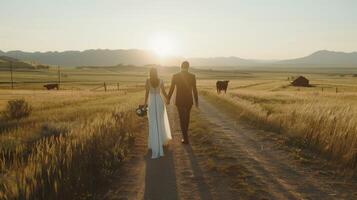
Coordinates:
51 86
222 85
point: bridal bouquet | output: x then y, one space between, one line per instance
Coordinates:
141 110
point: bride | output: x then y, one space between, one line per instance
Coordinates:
159 127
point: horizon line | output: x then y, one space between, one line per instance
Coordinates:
177 56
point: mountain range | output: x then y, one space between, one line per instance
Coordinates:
106 57
325 58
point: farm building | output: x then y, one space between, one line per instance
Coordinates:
300 82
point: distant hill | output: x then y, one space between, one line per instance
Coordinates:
17 64
325 58
100 57
222 61
106 57
8 59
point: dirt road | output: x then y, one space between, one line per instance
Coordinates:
282 176
255 167
175 176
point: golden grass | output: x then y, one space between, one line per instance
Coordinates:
66 150
74 139
217 159
326 122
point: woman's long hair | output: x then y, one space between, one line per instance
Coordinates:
154 78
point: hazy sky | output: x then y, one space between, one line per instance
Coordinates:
264 29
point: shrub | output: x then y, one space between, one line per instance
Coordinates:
17 109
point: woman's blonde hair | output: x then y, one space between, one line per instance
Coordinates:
154 77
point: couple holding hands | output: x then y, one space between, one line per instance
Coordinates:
186 95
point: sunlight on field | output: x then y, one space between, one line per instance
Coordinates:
71 129
323 120
77 136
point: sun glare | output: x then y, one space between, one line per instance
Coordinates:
163 45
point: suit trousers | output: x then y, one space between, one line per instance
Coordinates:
184 115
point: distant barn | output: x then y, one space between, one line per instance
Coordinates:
300 82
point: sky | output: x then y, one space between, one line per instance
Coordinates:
257 29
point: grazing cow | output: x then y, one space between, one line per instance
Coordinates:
51 86
222 85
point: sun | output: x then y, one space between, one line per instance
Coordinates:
162 44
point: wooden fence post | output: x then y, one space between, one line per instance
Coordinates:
105 87
12 80
118 86
59 77
322 89
336 90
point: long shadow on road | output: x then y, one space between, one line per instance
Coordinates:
203 188
160 179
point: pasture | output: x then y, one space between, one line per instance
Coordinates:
269 79
81 123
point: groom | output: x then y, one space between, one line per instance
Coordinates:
185 84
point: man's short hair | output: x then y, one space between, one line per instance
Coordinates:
185 65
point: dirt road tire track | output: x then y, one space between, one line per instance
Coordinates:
282 176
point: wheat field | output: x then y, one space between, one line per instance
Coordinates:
77 137
71 141
319 119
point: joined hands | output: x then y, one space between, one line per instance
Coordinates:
167 101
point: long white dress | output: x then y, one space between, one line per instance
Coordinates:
159 127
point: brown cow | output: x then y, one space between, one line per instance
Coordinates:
51 86
222 85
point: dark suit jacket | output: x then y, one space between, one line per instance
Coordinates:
185 84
